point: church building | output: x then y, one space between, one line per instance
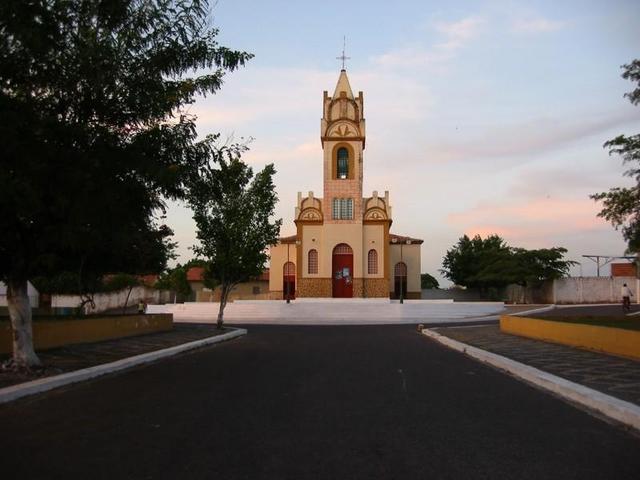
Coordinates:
343 246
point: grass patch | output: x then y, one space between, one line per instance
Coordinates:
613 321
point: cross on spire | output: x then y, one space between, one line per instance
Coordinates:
343 57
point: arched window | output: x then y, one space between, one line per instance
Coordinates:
372 262
290 269
312 262
401 269
343 163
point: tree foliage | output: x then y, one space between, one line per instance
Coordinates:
233 211
175 279
428 281
491 263
94 139
621 205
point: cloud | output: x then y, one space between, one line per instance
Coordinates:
455 35
533 136
535 219
536 25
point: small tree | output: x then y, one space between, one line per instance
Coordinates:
233 211
621 206
428 282
175 279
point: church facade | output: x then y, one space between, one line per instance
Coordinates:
343 246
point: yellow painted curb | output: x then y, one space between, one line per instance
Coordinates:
616 341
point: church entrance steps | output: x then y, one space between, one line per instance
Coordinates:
333 311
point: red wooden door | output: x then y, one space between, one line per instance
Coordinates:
342 271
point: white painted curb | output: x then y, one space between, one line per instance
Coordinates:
548 308
614 408
14 392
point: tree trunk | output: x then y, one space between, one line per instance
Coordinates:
124 309
224 293
20 313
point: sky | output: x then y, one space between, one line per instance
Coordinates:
482 116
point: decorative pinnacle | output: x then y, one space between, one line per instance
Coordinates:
343 57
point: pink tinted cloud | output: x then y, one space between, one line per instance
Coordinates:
532 219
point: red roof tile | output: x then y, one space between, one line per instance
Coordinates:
195 274
397 239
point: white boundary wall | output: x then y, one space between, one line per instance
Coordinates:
110 300
575 290
34 296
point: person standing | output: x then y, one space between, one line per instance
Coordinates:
626 298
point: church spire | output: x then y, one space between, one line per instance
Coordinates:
343 86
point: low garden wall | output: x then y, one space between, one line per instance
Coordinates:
616 341
56 333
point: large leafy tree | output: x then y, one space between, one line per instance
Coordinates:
93 138
621 205
490 263
233 210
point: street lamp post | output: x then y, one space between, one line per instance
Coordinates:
288 287
408 242
287 275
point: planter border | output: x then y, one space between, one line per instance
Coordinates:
611 340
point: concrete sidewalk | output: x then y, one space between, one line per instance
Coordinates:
615 376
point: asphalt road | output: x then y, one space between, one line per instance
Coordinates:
349 402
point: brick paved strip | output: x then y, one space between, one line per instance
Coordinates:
624 412
615 376
14 392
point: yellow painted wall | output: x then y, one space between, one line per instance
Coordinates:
278 255
56 333
334 234
312 238
616 341
373 239
410 256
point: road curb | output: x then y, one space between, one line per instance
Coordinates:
548 308
8 394
624 412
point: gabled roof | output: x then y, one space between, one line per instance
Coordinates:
343 86
398 239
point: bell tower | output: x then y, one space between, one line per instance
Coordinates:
342 133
